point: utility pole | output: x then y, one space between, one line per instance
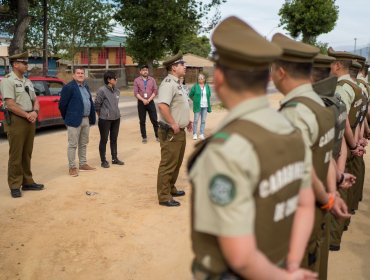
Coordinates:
355 44
45 65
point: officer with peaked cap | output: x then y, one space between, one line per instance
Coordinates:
244 226
22 109
174 118
291 74
355 193
351 95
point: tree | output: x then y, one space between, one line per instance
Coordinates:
196 45
15 20
155 28
308 18
72 24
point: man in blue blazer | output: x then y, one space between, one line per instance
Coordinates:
78 112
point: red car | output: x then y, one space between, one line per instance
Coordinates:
47 90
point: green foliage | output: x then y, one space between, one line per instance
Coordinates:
72 25
156 28
322 46
196 45
308 18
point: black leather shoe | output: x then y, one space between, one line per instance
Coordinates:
15 193
33 187
334 247
345 228
178 193
352 212
170 203
105 164
117 161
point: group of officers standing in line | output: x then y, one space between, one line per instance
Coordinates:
274 191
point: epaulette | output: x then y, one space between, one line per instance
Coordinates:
7 76
167 80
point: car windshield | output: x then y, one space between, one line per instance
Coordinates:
55 87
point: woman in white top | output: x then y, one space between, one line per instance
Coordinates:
200 93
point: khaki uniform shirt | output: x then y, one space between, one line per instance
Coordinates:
346 92
170 92
14 88
236 159
301 116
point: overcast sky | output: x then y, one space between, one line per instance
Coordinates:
262 15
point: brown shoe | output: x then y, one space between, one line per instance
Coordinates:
87 167
73 172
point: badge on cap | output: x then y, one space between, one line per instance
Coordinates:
222 190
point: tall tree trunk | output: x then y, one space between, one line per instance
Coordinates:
23 21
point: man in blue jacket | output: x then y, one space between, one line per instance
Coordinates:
78 112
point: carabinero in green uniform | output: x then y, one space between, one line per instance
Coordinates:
22 109
250 177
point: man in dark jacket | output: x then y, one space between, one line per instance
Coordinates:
78 112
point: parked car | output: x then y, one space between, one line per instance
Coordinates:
47 90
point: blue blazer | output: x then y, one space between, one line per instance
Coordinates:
71 105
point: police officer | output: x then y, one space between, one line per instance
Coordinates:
351 95
242 222
291 74
174 118
22 109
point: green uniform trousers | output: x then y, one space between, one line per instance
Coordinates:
357 192
316 255
337 225
20 134
172 155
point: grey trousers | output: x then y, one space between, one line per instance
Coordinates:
78 137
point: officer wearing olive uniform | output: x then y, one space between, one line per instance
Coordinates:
291 74
246 191
351 95
23 108
174 118
358 162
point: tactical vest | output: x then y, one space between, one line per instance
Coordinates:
365 99
326 90
354 114
323 146
275 196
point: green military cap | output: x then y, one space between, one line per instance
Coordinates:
356 65
177 58
340 55
323 61
294 51
240 47
21 57
360 59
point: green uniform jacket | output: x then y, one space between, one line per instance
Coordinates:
196 95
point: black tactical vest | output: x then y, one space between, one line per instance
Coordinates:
323 147
276 195
326 90
354 114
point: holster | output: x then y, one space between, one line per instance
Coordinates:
7 116
166 127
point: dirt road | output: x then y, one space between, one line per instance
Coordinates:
120 232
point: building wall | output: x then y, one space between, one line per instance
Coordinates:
98 56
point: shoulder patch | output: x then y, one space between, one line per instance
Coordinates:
222 190
291 104
221 135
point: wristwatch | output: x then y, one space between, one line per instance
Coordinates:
37 111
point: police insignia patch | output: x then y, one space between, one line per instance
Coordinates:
222 190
